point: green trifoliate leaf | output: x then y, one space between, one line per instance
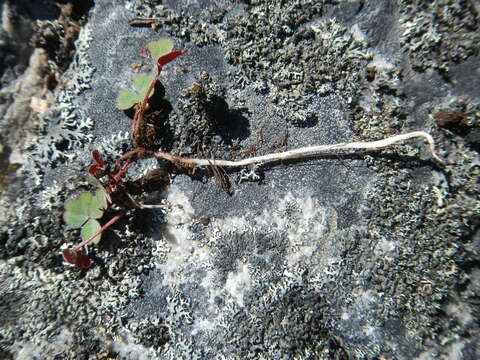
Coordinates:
141 84
101 198
76 210
94 181
83 207
95 207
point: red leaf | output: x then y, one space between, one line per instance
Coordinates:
83 261
92 170
97 157
165 59
76 258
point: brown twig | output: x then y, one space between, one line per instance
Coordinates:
143 22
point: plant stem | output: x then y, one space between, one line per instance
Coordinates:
304 152
104 227
138 118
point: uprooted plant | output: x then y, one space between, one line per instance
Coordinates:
85 210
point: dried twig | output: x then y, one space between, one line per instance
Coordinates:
143 22
300 153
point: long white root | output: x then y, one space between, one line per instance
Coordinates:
304 152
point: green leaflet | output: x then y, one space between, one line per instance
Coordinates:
129 97
160 48
90 228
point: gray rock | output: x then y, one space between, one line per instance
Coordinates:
362 256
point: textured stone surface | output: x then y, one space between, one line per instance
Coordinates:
346 257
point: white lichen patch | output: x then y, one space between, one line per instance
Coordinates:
437 34
233 256
453 351
381 63
461 312
127 348
385 247
81 70
114 146
50 196
328 56
65 128
42 349
304 233
177 235
358 34
237 283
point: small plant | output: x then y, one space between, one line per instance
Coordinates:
159 48
161 52
144 85
85 210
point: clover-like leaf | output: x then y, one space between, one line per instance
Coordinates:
76 210
90 228
84 207
129 97
159 48
141 84
94 181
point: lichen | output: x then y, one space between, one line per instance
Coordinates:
439 34
65 129
114 146
219 282
201 111
284 50
284 282
421 221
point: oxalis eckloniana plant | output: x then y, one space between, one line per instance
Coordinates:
85 210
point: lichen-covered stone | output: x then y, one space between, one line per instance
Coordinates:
362 256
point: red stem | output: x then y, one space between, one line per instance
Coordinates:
119 175
137 119
104 227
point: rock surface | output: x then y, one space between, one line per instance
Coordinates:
371 256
